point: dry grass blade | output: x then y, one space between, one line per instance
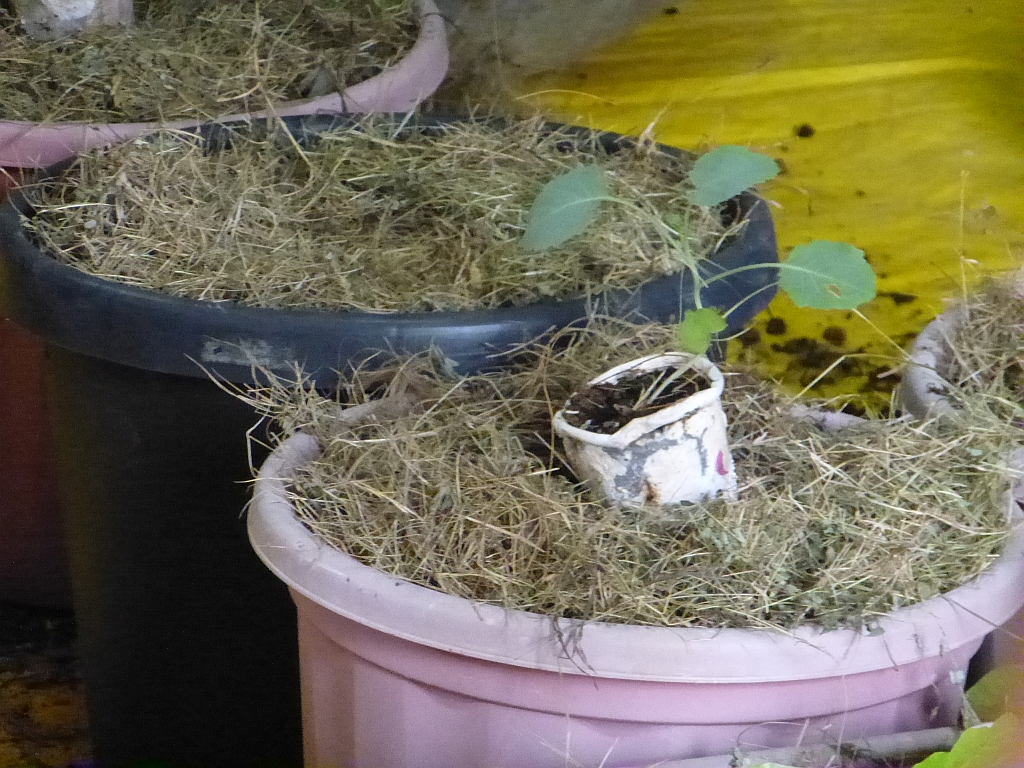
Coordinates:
987 351
467 496
366 219
202 58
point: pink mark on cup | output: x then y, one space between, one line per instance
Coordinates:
720 464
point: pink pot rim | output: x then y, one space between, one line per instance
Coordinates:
398 89
390 604
924 391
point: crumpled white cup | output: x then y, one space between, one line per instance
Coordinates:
676 455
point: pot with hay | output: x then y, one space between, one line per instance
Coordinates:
465 600
974 349
179 63
974 346
152 267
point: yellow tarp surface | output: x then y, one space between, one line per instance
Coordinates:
900 126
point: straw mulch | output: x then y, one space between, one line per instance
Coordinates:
987 351
468 494
202 58
376 219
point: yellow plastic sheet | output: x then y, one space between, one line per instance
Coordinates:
900 127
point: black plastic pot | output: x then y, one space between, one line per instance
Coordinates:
188 644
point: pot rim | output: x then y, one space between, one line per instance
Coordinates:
26 144
637 428
399 608
147 329
924 391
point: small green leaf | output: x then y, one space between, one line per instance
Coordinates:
1000 746
677 222
827 275
725 172
1000 691
694 334
565 207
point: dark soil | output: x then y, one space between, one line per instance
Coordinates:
607 408
42 706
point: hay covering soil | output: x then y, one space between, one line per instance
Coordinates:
202 58
467 496
987 351
372 219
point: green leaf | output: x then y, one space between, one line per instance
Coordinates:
694 334
827 275
1000 691
565 207
1001 746
677 222
725 172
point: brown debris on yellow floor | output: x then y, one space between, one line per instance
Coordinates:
42 710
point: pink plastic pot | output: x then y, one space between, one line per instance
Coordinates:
395 675
399 89
925 393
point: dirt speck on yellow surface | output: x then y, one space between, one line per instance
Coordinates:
898 126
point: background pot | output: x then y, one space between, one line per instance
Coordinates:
188 644
33 568
925 393
678 454
398 89
398 675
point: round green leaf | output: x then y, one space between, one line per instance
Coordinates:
726 171
565 207
999 746
698 327
998 692
827 275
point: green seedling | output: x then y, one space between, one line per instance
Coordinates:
698 328
819 275
569 203
723 173
565 207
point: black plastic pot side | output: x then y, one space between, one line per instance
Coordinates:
188 643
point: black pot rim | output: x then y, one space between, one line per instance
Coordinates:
98 317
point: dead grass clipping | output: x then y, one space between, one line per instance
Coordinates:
986 352
380 218
202 59
468 494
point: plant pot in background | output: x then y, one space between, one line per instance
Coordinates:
188 644
33 568
925 393
398 89
396 675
